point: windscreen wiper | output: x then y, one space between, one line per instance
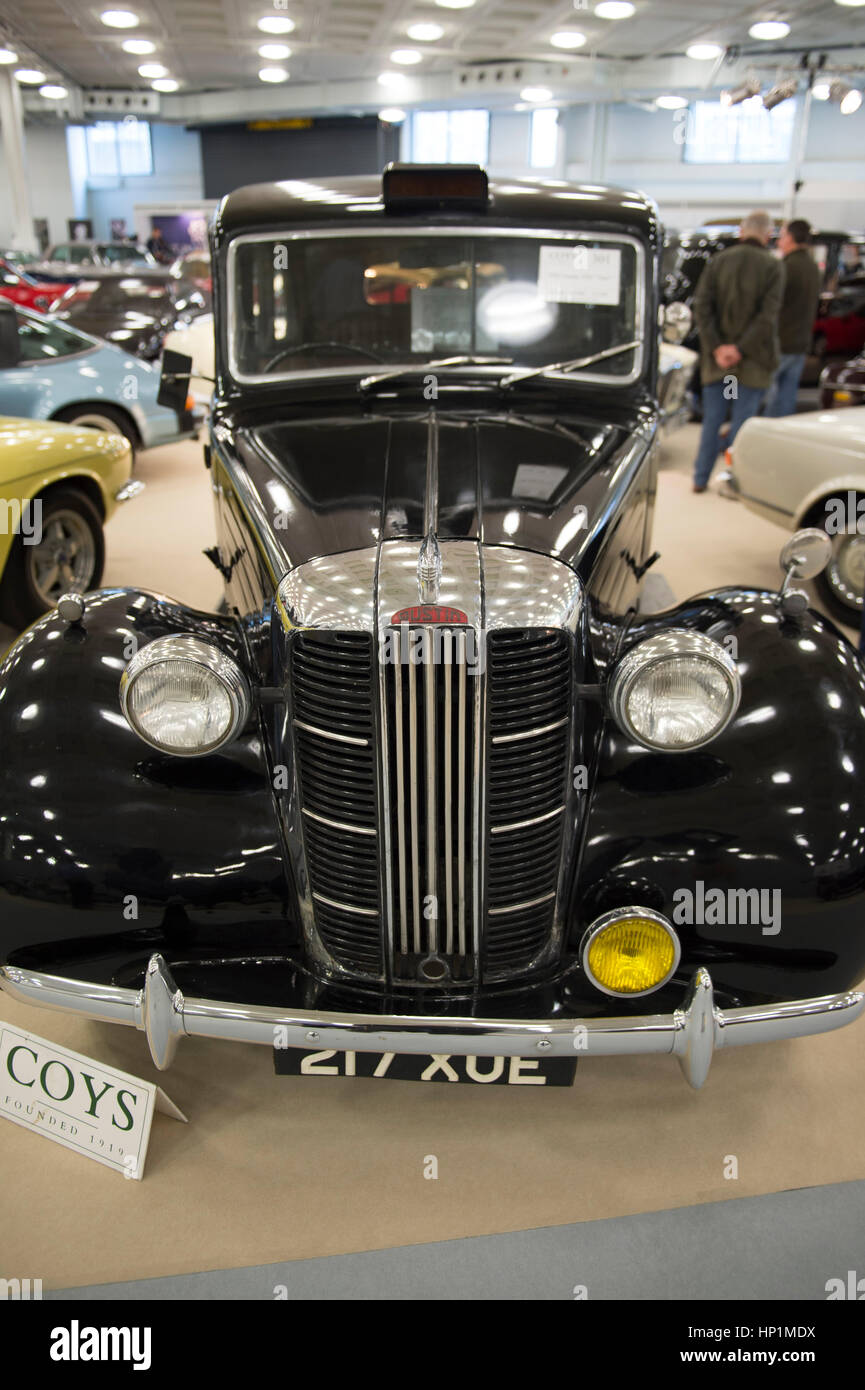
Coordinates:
572 366
465 360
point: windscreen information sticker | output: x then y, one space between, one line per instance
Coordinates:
580 275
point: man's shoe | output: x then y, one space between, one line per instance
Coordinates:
699 488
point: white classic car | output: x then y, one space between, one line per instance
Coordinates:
809 470
195 339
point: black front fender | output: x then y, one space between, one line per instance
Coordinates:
107 847
775 803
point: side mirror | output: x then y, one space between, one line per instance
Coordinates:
676 323
10 348
805 555
174 382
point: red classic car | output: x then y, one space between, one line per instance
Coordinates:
23 289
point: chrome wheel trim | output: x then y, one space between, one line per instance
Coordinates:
845 572
64 559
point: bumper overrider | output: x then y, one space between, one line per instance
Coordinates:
690 1033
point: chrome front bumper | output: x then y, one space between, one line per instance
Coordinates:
690 1033
129 490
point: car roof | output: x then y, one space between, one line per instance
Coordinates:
520 202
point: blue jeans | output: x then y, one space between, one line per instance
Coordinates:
715 407
781 399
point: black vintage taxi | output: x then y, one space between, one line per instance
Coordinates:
434 796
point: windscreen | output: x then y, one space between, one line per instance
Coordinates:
320 302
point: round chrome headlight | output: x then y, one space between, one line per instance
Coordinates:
675 691
184 696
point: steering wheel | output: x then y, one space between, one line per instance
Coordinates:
318 347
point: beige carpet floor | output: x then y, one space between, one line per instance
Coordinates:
274 1168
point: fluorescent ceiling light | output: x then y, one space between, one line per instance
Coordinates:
391 79
769 29
536 94
274 51
614 9
407 56
671 102
392 115
165 84
120 19
276 24
704 52
425 33
567 38
272 75
152 70
53 91
29 76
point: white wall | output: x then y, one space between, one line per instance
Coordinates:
176 178
48 173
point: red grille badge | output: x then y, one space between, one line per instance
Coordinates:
430 615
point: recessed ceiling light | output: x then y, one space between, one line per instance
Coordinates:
769 29
425 33
391 79
392 115
53 91
152 70
7 56
407 56
820 91
165 84
614 9
274 51
272 75
852 3
704 52
671 102
120 19
455 4
276 24
29 76
140 47
568 38
536 94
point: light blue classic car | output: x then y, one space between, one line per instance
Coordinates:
51 371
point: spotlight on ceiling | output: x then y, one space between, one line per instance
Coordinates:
425 33
406 56
272 75
276 24
152 70
141 47
119 19
783 90
704 52
392 115
820 91
536 94
53 91
165 84
769 29
671 102
29 77
275 52
745 90
846 96
614 9
567 38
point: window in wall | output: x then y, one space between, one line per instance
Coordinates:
544 138
450 137
118 149
743 134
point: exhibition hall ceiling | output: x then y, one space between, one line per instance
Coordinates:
212 44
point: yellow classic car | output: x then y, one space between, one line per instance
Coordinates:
58 485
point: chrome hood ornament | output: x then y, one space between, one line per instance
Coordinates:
429 570
429 560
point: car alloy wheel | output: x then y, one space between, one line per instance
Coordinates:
845 572
64 559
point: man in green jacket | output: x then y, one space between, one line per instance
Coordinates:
798 312
736 312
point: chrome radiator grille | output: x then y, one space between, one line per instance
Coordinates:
455 871
430 744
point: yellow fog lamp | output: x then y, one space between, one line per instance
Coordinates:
629 952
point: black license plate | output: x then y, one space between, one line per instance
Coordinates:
407 1066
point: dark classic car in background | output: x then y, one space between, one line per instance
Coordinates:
433 795
843 383
131 311
69 261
